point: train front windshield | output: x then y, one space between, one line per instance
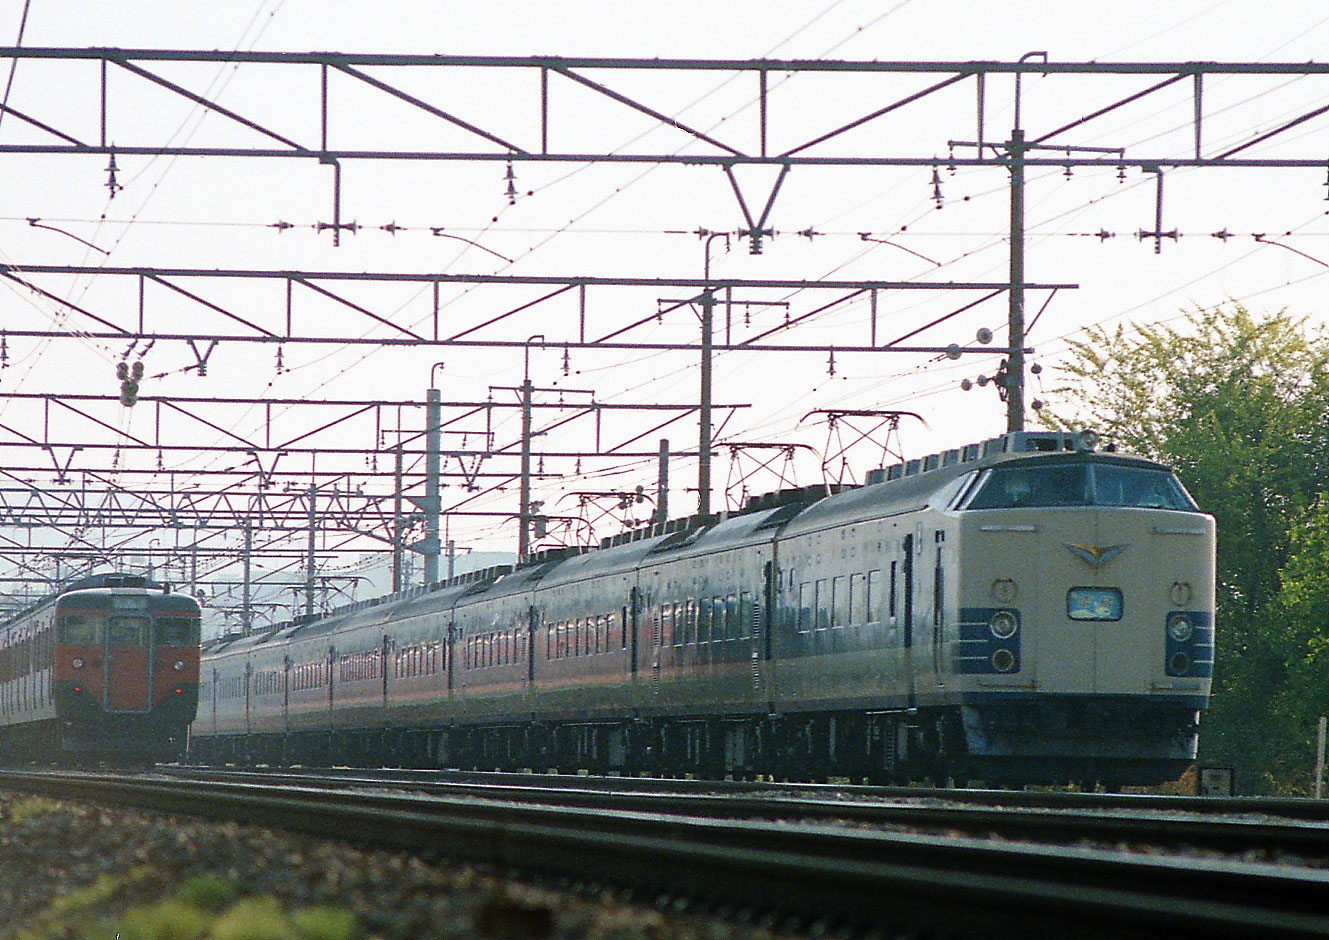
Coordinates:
1078 484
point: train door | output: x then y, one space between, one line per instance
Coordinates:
450 639
532 630
128 659
286 693
249 675
908 605
938 606
633 613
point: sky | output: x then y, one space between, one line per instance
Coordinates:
637 220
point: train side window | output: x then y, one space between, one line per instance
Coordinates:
747 616
839 601
704 620
733 618
805 607
127 631
859 602
717 620
822 603
872 600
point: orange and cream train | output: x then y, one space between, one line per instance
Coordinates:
105 670
1025 609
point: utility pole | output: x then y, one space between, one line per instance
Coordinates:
704 437
398 523
662 487
704 413
1014 378
1015 358
524 511
309 561
246 614
433 446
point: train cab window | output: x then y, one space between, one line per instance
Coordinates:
1118 485
1079 484
1045 485
80 630
175 633
127 631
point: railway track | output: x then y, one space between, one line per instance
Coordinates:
1276 828
860 877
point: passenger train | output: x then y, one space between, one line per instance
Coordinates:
1029 609
105 670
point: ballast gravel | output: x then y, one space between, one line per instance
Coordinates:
81 870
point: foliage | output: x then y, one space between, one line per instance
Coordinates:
22 810
1237 404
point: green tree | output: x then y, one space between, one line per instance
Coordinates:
1236 404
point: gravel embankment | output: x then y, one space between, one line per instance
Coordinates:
78 870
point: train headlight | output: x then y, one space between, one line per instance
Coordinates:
1003 660
1003 624
1179 627
78 664
179 665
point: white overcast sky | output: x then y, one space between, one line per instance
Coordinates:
615 220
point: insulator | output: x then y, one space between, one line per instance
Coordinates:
1121 173
936 186
122 370
966 385
128 392
137 370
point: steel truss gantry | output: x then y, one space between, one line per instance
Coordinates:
515 112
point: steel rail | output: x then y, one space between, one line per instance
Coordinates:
857 878
1182 822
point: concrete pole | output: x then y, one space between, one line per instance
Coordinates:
524 511
433 444
398 524
662 487
704 435
246 611
1015 360
309 558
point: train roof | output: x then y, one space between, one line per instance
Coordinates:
912 483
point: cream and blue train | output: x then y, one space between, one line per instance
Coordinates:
1028 609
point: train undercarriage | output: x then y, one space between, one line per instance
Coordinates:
941 746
